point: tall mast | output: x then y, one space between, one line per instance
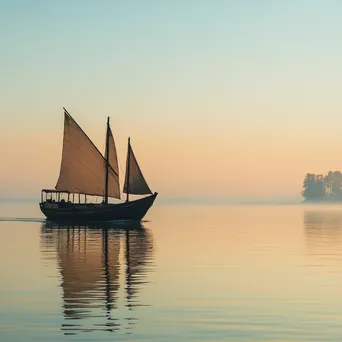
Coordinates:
128 167
107 162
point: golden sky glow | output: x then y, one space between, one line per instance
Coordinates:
220 100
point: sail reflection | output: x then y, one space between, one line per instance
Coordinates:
138 259
102 270
323 231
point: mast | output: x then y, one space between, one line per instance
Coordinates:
107 162
128 167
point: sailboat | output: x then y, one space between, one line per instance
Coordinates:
85 171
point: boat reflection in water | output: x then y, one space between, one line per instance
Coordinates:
89 261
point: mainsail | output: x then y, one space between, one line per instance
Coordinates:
134 182
83 167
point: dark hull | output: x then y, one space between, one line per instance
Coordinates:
127 211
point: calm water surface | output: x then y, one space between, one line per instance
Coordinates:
191 273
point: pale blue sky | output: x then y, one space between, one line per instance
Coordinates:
248 74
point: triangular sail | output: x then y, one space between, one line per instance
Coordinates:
83 167
134 182
113 179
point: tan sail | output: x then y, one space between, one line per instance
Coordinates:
113 178
83 167
134 181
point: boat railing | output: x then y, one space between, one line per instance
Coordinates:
65 198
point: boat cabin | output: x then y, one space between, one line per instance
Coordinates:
62 198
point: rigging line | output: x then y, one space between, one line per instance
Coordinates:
121 179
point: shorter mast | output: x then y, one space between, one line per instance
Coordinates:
107 162
128 167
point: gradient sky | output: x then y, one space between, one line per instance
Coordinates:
220 98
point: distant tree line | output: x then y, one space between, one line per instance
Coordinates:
319 187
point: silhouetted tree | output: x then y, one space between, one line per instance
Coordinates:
328 182
337 183
333 183
314 186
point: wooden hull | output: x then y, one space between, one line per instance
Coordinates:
127 211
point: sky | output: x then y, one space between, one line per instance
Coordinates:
220 98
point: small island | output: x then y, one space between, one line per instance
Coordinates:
323 188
